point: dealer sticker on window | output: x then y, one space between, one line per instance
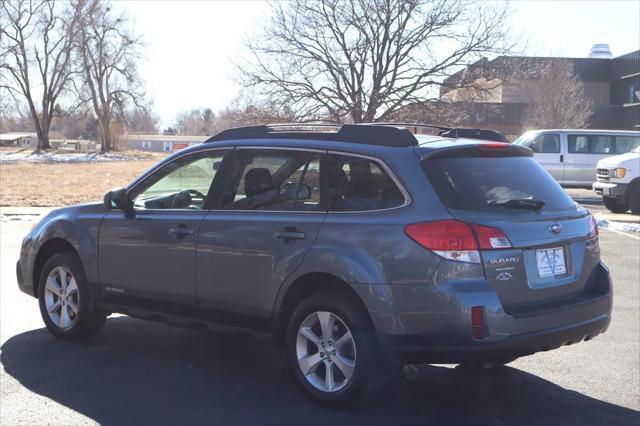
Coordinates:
550 262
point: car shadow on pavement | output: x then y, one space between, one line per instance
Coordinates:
138 372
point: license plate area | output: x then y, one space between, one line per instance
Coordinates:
551 262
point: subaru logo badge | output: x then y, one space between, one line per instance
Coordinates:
555 228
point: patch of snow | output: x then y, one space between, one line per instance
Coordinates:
18 217
618 226
27 156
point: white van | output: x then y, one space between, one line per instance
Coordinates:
571 155
619 182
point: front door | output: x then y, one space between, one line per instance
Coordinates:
548 152
152 255
268 216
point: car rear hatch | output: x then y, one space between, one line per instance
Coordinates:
538 250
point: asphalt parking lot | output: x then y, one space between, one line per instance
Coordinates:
137 372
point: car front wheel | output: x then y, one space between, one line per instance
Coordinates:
614 205
331 349
65 303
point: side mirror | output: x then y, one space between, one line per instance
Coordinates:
118 200
302 189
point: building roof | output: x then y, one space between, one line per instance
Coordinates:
163 138
12 136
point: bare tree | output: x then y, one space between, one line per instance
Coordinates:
142 120
107 51
36 39
363 60
196 122
560 100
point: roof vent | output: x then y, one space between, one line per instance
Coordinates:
600 51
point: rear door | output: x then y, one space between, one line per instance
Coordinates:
583 153
268 215
551 256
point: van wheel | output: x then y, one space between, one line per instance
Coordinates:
331 349
65 304
634 198
614 205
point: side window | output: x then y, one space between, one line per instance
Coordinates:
358 184
578 144
181 184
626 144
545 143
601 144
274 180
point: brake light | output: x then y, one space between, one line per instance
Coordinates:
451 239
455 240
593 227
491 238
494 145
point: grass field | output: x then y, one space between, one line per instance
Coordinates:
53 184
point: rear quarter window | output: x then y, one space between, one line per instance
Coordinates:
470 183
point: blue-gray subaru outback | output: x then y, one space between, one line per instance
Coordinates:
357 248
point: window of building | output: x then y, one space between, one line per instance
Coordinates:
146 144
358 184
166 147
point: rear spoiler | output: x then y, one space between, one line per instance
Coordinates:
481 149
481 134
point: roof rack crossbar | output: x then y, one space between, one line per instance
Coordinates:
388 135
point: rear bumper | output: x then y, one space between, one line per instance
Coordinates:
610 189
432 323
514 346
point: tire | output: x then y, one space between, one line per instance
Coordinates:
357 369
73 314
614 205
634 197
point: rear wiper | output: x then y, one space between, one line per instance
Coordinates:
519 203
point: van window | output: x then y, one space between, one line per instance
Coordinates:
590 144
626 144
601 144
542 143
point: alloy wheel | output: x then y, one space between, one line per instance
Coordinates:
326 351
61 297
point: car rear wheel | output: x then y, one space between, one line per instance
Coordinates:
65 303
614 205
331 349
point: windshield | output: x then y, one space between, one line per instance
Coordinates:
636 150
485 184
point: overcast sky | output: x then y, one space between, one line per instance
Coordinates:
191 45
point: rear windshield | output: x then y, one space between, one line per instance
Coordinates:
472 183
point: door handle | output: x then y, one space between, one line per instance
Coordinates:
289 234
561 158
181 231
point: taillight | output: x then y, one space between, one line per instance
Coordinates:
593 227
491 238
455 240
495 145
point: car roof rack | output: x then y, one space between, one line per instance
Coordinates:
454 132
383 135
